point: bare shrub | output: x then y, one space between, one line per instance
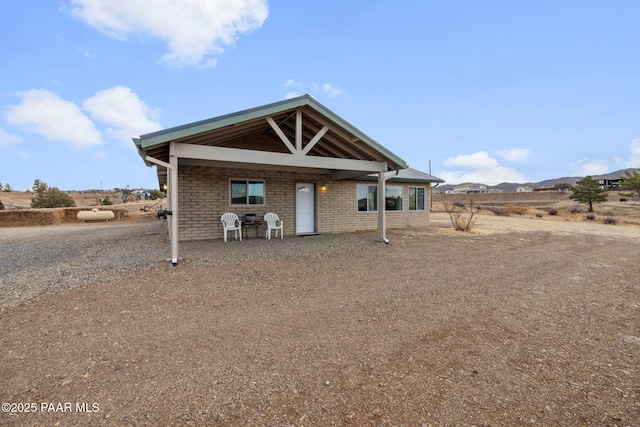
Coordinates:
462 218
575 210
590 217
552 212
458 204
609 220
499 212
538 215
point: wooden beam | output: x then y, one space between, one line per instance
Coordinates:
281 134
315 139
254 166
236 155
299 130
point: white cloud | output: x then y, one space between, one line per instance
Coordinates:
123 110
586 166
294 84
634 157
518 155
479 168
7 139
44 113
195 31
331 91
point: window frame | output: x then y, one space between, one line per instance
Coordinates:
368 192
247 182
424 199
386 197
375 197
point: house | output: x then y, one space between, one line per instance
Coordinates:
524 189
470 189
295 158
609 184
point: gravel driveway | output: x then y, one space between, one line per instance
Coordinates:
44 260
36 261
523 323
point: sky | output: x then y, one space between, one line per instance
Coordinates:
472 91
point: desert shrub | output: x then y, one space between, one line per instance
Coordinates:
462 218
609 220
458 204
106 201
590 217
516 210
538 215
552 212
575 210
1 206
156 194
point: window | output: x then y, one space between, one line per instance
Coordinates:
393 198
245 192
368 198
416 198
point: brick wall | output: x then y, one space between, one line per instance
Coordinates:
203 196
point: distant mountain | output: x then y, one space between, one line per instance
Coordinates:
547 183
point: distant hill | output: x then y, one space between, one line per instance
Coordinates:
547 183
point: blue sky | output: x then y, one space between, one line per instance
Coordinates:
488 91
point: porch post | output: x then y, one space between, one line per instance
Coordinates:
172 176
381 205
173 191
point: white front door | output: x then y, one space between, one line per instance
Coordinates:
305 208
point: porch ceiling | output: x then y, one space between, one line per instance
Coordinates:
251 130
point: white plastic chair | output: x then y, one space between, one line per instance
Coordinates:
272 221
230 222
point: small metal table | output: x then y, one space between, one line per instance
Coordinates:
256 224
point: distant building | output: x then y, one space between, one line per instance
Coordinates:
470 189
524 189
609 184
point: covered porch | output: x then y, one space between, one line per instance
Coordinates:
296 140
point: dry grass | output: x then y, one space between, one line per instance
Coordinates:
548 206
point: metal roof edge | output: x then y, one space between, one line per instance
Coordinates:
166 135
358 133
421 177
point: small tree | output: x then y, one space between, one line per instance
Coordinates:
631 182
7 188
156 194
49 197
563 186
588 191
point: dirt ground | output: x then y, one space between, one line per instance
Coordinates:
525 321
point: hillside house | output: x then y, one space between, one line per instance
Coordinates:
524 189
295 158
609 184
470 189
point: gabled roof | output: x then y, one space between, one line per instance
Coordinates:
263 129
